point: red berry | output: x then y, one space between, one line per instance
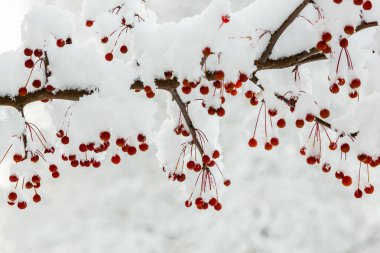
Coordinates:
326 36
105 136
181 178
349 29
89 23
333 146
347 181
227 182
17 158
190 165
188 203
311 160
53 168
206 159
65 140
339 174
123 49
219 75
215 154
369 189
225 19
252 142
55 174
274 141
268 146
82 147
141 138
115 159
186 90
211 111
22 91
310 117
213 202
324 113
206 51
355 83
197 168
104 40
353 94
334 88
272 112
358 2
168 74
303 151
13 178
300 123
343 43
204 90
131 150
29 63
358 193
281 123
326 168
21 205
38 53
36 198
120 142
36 84
218 207
28 52
109 57
143 147
345 148
36 179
12 196
367 5
199 201
50 88
220 112
322 45
61 43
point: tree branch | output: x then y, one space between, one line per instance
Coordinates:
186 115
20 102
277 34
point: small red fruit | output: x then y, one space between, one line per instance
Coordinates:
252 142
22 91
21 205
358 193
61 43
324 113
123 49
36 83
105 136
347 181
89 23
116 159
281 123
369 189
65 140
109 57
28 52
36 198
300 123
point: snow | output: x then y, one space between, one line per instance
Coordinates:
276 203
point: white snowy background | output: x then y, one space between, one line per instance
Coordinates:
276 202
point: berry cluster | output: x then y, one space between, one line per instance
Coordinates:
26 184
117 32
365 4
85 152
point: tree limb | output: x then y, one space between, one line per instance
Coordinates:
277 34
